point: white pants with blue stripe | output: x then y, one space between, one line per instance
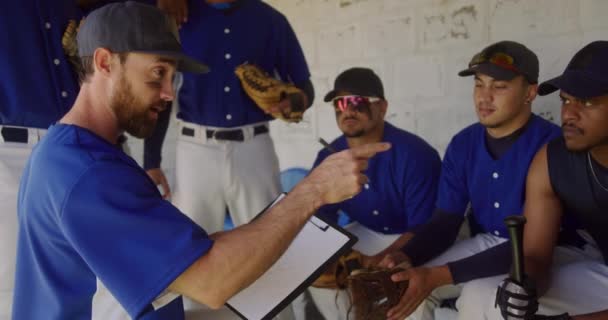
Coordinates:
578 284
215 175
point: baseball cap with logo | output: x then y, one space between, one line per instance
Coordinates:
504 60
357 81
586 76
134 27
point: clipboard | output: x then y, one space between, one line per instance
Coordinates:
317 245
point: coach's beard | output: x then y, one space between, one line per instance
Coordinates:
132 114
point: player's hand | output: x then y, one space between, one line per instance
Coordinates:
177 9
340 176
158 177
284 106
516 301
393 259
422 281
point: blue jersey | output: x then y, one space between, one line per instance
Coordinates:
37 83
495 189
253 32
87 214
402 185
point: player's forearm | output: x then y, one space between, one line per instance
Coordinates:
398 244
538 270
240 256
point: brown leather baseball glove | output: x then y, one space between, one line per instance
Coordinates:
267 92
336 275
70 46
373 293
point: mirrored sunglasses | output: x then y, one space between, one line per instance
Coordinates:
353 102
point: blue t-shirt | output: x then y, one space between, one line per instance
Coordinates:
495 189
37 84
87 213
251 31
402 185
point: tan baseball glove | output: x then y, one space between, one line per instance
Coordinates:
70 46
267 92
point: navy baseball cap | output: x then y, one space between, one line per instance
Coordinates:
359 81
586 76
134 27
504 60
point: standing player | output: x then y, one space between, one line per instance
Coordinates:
225 158
37 87
403 182
569 176
484 167
90 216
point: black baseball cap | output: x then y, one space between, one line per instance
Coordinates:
134 27
504 60
586 76
359 81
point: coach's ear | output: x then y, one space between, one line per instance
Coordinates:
102 61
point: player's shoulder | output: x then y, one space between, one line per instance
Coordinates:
469 135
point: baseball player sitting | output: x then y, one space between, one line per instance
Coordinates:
403 182
568 177
90 217
484 167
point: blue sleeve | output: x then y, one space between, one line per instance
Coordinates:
135 242
291 64
433 237
453 195
421 180
492 262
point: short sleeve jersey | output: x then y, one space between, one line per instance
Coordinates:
402 185
252 32
495 188
88 213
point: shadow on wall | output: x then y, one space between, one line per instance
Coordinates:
289 178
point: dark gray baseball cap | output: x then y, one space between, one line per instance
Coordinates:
504 60
359 81
134 27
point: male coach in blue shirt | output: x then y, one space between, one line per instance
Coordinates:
403 182
90 216
484 168
37 87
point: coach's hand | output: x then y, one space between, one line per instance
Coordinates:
158 177
340 176
422 281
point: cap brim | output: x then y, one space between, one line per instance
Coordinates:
184 62
574 83
491 70
330 95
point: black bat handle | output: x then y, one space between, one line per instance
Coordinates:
515 226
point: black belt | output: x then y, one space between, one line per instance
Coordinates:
231 135
10 134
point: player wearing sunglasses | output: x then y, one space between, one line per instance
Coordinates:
484 172
401 191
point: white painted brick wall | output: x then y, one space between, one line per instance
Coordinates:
417 47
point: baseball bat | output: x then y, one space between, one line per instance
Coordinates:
515 226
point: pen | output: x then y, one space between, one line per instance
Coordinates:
327 145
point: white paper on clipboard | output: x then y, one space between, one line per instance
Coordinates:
313 248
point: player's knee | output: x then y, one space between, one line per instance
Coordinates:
477 293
